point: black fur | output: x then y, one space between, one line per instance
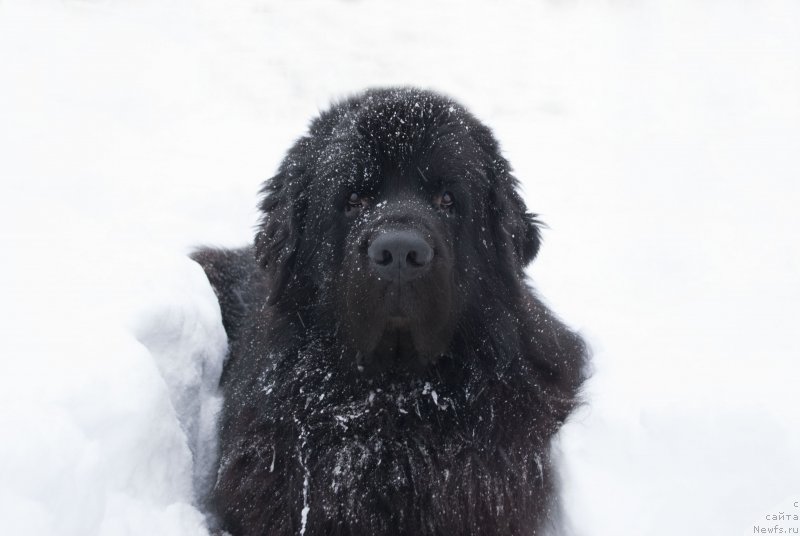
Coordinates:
338 418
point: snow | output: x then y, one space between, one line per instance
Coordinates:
658 140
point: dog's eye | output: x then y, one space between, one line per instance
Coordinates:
446 200
354 201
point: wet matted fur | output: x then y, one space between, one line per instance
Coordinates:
360 405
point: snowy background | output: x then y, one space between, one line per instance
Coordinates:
660 142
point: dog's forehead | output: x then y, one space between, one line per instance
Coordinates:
411 136
402 122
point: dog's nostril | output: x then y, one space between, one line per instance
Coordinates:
420 256
385 259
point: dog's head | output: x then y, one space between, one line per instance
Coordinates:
394 214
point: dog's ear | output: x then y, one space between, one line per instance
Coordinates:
279 232
526 236
516 231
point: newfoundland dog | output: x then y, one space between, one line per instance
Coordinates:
390 370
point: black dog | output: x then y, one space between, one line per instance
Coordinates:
390 371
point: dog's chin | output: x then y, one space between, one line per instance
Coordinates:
398 329
400 346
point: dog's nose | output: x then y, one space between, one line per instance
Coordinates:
400 255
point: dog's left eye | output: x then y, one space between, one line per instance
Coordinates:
445 200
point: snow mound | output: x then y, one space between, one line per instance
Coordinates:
109 399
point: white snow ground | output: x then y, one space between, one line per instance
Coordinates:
659 140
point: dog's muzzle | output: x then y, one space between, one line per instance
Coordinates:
400 256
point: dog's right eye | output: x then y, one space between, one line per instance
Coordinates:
354 200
